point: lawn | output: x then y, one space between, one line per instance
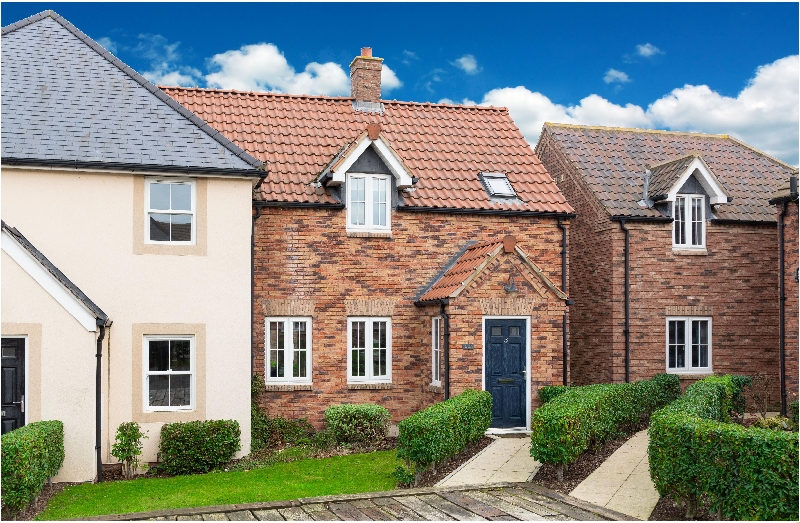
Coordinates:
310 477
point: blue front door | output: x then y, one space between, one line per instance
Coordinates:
506 351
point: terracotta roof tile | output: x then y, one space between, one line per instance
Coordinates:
462 272
444 146
613 162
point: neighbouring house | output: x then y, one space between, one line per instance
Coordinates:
672 255
786 201
391 239
111 190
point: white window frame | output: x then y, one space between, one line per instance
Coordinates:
288 349
369 378
368 202
436 351
148 210
689 369
147 373
687 221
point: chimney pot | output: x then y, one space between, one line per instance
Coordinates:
365 77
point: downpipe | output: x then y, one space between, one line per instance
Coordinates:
782 306
98 399
627 331
446 320
564 351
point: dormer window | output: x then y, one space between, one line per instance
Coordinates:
688 227
369 202
497 185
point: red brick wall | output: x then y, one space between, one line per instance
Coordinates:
590 271
306 254
791 290
736 280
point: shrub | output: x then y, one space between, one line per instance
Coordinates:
548 392
197 446
444 429
776 423
566 426
266 432
30 456
360 423
793 412
128 446
696 454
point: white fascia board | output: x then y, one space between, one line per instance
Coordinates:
339 174
48 282
403 177
716 193
404 180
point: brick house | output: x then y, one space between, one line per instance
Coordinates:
391 238
671 257
786 201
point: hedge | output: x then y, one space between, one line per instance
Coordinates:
564 427
697 455
444 429
197 446
549 392
30 455
358 423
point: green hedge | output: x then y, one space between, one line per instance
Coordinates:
697 455
197 446
564 427
549 392
30 455
444 429
793 412
358 423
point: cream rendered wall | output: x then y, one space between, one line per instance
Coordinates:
66 367
83 222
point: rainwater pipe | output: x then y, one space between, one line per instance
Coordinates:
99 398
446 320
627 330
564 353
782 290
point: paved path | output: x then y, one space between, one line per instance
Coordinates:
622 483
504 460
506 502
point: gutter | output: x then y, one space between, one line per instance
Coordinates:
131 167
627 331
493 212
98 398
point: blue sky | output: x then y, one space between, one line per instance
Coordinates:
715 67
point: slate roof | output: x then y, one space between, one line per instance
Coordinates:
68 101
73 289
444 146
613 163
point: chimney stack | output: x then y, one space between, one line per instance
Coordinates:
365 77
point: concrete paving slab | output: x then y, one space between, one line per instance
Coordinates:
622 482
504 460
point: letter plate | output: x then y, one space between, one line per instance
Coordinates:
505 380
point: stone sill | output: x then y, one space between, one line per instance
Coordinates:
287 387
690 252
435 388
369 386
368 234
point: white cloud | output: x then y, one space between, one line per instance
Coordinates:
612 75
465 101
765 114
408 57
262 67
389 80
108 44
468 64
163 57
647 50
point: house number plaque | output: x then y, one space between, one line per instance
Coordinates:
467 346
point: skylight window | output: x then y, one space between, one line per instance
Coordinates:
498 185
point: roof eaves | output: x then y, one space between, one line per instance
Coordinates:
136 77
57 274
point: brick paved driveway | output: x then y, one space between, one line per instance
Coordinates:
500 502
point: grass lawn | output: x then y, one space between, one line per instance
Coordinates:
310 477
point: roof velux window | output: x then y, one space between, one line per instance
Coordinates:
497 185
